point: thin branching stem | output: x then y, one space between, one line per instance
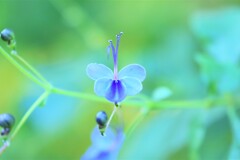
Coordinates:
29 112
24 119
136 103
111 117
145 103
139 118
32 69
22 69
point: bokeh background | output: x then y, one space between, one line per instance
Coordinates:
191 48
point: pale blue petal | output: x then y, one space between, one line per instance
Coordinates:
96 71
101 86
116 92
133 85
133 70
105 147
100 141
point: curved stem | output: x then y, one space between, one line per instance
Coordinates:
29 112
176 104
137 103
24 118
32 69
136 121
22 69
85 96
110 119
4 147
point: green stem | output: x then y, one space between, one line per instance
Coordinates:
176 104
136 103
136 121
89 97
22 69
28 113
23 120
33 70
85 96
110 119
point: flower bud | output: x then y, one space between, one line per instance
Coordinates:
7 35
6 122
101 118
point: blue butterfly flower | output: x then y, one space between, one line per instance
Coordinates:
114 85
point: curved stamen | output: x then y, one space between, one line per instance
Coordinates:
118 40
114 59
115 54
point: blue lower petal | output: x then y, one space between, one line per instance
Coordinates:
116 92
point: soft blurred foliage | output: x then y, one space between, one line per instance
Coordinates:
190 49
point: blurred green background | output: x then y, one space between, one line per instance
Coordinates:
190 47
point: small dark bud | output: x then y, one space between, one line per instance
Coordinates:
116 104
101 119
6 122
7 35
102 130
5 131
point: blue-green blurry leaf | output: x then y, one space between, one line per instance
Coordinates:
217 138
218 77
234 152
198 130
219 32
161 136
